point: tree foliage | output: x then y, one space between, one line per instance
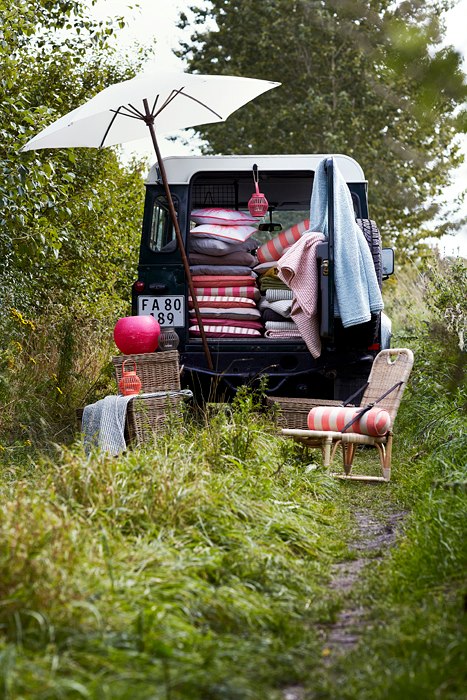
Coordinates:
61 212
69 219
369 78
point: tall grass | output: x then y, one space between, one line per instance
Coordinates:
199 565
194 568
413 645
48 368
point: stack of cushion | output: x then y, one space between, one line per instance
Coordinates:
221 261
275 304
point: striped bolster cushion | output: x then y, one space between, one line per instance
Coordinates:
222 302
256 325
224 331
375 422
249 292
273 249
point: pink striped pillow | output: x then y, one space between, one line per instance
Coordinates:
222 302
273 249
249 292
222 217
375 422
224 331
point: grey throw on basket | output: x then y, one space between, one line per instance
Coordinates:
103 422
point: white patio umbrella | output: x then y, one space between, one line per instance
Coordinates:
152 102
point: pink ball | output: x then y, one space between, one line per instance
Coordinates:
135 335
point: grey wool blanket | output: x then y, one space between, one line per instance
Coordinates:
356 286
103 424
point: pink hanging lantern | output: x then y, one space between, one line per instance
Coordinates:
258 204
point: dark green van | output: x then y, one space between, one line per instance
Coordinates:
161 288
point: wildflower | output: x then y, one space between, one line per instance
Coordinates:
59 390
26 322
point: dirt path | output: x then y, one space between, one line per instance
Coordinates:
374 535
373 540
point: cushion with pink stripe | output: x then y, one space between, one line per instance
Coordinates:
249 292
273 249
223 280
224 331
222 217
375 422
257 325
222 302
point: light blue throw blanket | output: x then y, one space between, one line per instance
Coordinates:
357 293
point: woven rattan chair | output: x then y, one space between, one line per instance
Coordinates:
386 384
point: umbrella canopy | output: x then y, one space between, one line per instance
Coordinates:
175 101
136 108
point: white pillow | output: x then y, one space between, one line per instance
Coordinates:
218 246
222 217
239 234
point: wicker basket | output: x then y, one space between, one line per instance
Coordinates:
147 415
158 371
293 413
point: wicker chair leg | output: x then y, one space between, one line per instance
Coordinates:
335 445
348 452
383 461
326 447
387 458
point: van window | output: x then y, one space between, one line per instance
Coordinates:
162 233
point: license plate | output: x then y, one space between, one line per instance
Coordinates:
168 311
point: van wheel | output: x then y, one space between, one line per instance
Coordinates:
373 238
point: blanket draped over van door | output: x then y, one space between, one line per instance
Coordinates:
298 268
356 286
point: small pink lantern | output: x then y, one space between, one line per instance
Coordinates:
135 335
258 204
130 383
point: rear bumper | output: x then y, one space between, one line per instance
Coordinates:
288 366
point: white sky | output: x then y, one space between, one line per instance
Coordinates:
156 20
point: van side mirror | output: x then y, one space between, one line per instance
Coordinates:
387 259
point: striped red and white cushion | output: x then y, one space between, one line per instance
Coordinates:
223 280
273 249
375 422
224 331
222 302
222 217
249 292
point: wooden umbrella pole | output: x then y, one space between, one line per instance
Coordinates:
150 123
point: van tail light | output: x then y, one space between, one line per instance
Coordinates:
138 286
376 347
